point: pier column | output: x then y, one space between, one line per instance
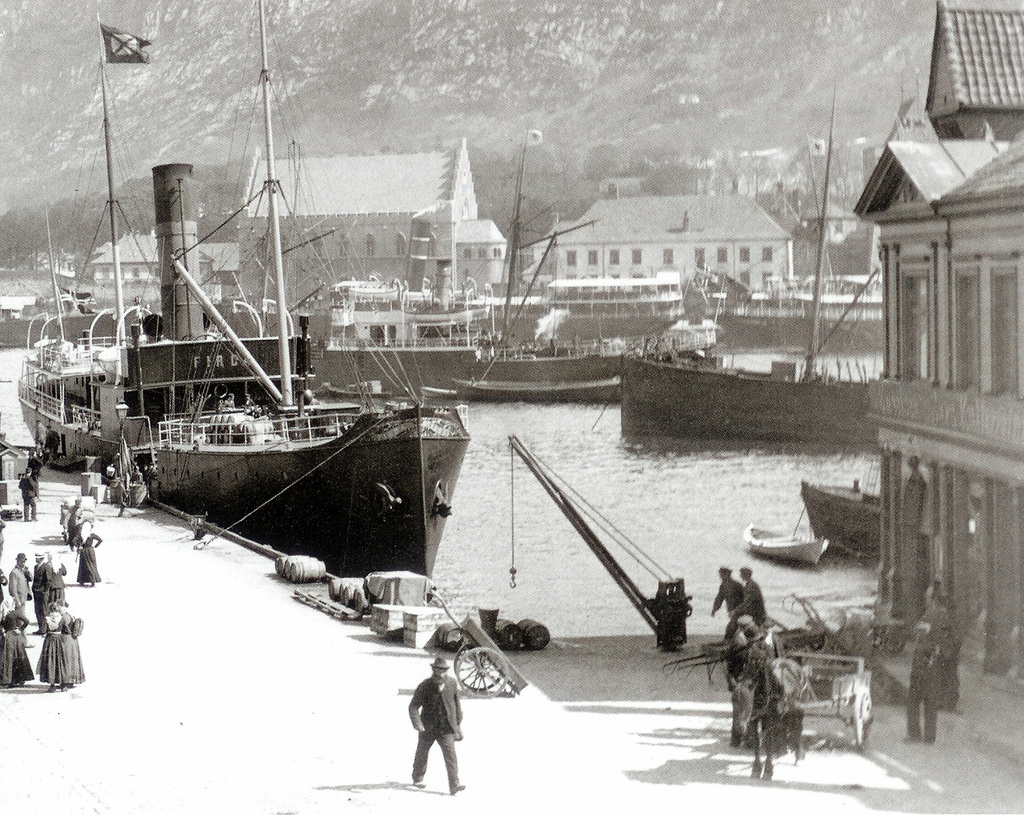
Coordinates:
1004 542
886 539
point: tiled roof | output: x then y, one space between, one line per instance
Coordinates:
675 218
985 49
350 185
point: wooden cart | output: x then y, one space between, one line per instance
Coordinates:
480 666
838 686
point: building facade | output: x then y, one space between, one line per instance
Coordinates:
950 404
351 218
642 236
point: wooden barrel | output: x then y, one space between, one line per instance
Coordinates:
357 599
335 589
448 637
305 569
281 565
508 635
535 635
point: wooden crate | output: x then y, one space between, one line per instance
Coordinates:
420 624
387 621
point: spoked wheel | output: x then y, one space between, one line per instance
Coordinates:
479 671
862 719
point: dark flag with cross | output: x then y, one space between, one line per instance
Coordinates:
123 47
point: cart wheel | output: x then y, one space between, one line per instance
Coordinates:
862 719
478 670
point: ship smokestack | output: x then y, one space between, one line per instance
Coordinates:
176 230
422 247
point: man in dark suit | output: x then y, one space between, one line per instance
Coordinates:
41 591
436 713
730 592
753 599
29 487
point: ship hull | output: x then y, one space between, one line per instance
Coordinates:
849 518
440 368
364 501
737 331
682 402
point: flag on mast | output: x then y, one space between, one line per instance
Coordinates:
534 137
121 46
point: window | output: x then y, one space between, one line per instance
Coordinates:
570 257
371 245
344 246
744 254
914 331
667 257
613 257
745 278
592 257
723 254
698 258
467 253
638 257
497 252
965 357
481 253
401 246
766 253
1003 330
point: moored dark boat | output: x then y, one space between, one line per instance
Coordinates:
698 401
599 390
847 516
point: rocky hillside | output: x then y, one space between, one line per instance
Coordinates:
690 78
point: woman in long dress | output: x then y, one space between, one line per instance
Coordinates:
60 662
88 571
15 666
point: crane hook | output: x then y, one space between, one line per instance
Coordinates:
512 577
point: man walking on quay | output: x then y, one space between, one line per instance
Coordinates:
753 599
436 713
928 670
29 487
730 592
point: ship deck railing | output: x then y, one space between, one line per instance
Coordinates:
68 357
45 403
240 429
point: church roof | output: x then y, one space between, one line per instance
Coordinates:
984 53
357 185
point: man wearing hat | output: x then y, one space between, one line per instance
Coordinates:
436 714
41 592
730 592
18 585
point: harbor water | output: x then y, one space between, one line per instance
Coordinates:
685 506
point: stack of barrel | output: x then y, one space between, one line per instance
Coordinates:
300 568
527 634
349 591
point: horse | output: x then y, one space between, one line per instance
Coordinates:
776 721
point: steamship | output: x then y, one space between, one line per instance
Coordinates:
224 427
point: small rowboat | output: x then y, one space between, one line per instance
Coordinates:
780 546
590 390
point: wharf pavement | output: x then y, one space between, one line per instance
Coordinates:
209 689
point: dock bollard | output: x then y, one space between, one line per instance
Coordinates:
489 620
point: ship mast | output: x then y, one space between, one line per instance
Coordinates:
112 206
812 343
53 274
284 351
513 243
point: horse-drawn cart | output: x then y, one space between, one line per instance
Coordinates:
835 685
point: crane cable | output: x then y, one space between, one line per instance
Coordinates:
512 520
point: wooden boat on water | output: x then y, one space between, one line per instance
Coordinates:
598 390
848 516
780 546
